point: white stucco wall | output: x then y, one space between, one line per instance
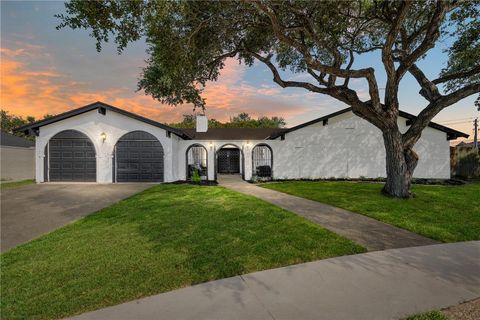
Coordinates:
212 147
115 125
347 147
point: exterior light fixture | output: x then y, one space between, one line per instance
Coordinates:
103 135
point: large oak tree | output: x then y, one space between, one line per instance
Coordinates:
189 41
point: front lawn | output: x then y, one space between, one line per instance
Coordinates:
444 213
165 238
15 184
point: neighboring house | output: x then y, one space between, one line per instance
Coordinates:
465 160
17 157
105 144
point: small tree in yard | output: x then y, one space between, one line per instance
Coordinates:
189 41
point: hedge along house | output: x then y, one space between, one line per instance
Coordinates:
104 144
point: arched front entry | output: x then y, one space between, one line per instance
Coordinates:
70 156
138 157
197 160
262 161
229 160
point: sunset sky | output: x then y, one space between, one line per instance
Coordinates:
44 70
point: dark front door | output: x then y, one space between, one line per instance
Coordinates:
139 158
71 157
228 161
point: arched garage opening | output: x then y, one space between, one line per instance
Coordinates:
196 157
262 161
138 157
70 156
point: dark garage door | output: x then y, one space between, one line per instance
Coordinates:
71 157
138 158
228 161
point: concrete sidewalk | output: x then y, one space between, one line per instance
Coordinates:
377 285
371 233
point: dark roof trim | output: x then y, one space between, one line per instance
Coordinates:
451 133
233 133
102 107
306 124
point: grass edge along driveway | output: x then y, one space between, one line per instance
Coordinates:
4 185
444 213
165 238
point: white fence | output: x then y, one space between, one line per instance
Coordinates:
17 163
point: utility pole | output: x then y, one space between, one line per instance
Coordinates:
475 133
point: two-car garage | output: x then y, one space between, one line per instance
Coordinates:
137 157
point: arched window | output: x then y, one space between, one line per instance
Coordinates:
262 161
197 161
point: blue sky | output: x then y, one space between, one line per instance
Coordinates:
45 70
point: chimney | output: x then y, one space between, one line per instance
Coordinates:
202 123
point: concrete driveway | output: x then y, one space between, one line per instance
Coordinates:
30 211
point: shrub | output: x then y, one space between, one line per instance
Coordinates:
196 177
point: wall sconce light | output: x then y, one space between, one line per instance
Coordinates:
210 144
103 135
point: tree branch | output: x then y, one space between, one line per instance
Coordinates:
367 73
218 59
313 63
426 115
387 55
431 36
428 89
341 93
463 74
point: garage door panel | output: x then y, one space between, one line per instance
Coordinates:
54 154
91 166
66 143
139 158
66 165
79 165
71 157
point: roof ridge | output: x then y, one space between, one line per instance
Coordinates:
92 106
454 133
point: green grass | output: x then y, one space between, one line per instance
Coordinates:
432 315
15 184
444 213
165 238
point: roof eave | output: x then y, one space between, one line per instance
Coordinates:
451 133
32 127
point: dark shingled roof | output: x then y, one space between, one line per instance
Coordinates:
7 139
234 133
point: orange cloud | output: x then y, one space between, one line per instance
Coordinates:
27 89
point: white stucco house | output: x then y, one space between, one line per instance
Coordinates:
104 144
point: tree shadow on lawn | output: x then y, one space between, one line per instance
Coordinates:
162 239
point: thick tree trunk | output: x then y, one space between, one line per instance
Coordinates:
401 162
